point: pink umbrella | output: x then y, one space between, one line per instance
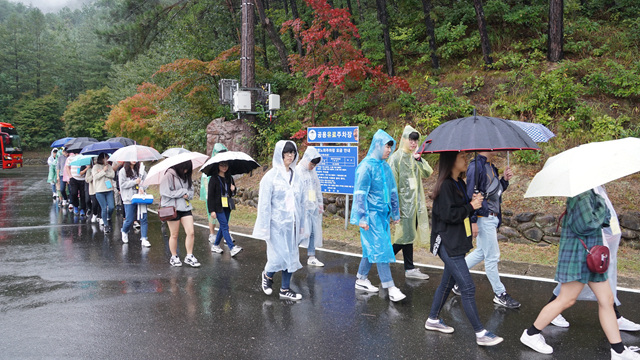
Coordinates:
157 171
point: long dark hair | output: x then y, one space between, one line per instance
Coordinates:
131 171
445 166
102 159
180 168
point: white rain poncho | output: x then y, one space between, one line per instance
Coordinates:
414 217
375 200
280 220
312 194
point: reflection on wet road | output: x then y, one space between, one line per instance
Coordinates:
70 291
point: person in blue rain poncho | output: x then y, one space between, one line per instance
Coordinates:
375 201
313 203
280 221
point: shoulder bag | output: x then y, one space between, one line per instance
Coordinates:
167 213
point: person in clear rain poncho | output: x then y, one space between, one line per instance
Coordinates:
375 200
409 169
280 220
313 203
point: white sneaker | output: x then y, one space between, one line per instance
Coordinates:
175 261
365 285
145 242
560 321
536 342
70 207
438 325
191 261
236 249
94 218
627 325
101 222
64 203
212 239
125 237
216 249
395 294
629 353
314 262
415 274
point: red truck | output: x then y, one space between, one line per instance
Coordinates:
10 147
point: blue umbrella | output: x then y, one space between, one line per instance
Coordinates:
537 132
61 142
82 160
108 147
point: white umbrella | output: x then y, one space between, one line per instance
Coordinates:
135 153
239 163
586 166
156 172
174 151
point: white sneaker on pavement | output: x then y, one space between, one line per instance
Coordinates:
560 321
629 353
125 237
415 274
536 342
145 242
236 249
216 249
314 262
627 325
212 239
365 285
395 294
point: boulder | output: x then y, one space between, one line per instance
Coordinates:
502 238
551 230
508 231
525 217
507 220
551 239
525 226
534 234
519 240
629 235
507 213
332 209
340 200
544 220
341 213
630 220
332 199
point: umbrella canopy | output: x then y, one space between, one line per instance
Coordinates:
174 151
135 153
123 140
239 163
537 132
61 142
157 171
101 147
586 166
82 160
78 144
477 133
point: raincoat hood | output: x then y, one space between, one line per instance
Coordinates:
404 141
278 161
310 154
380 138
218 147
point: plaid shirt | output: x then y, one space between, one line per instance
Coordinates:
586 214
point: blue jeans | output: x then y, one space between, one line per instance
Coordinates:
311 249
384 272
132 212
63 189
105 199
456 272
53 188
487 249
223 231
286 278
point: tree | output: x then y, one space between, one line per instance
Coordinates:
484 36
87 114
381 6
556 10
426 8
331 59
267 24
38 119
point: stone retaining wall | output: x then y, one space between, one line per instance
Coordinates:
522 228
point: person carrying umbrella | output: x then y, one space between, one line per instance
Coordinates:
451 240
103 184
76 186
586 216
313 203
204 188
176 189
280 219
52 177
60 167
130 175
409 169
96 212
375 201
221 189
482 175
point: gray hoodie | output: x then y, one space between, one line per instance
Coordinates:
172 191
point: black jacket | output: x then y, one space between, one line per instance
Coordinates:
450 209
214 194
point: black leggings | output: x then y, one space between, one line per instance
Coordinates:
76 193
407 254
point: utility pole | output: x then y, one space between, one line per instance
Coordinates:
247 59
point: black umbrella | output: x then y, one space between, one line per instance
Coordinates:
477 133
239 163
77 144
123 140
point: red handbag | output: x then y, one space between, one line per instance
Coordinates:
597 258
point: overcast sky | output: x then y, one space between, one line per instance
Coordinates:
48 6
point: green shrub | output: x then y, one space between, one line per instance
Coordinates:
453 40
615 79
527 156
472 84
606 128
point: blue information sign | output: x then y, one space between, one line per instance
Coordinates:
337 170
338 134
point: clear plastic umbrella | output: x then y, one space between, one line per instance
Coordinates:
157 171
135 153
174 151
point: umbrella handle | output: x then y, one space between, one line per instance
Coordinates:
508 152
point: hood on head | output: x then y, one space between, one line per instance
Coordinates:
277 154
310 154
218 148
380 138
404 141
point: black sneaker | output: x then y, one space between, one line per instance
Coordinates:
506 300
288 294
266 284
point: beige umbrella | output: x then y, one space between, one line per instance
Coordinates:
157 171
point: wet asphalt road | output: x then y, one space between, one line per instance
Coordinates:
70 291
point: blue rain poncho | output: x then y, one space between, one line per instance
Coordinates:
414 218
375 200
280 221
312 196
